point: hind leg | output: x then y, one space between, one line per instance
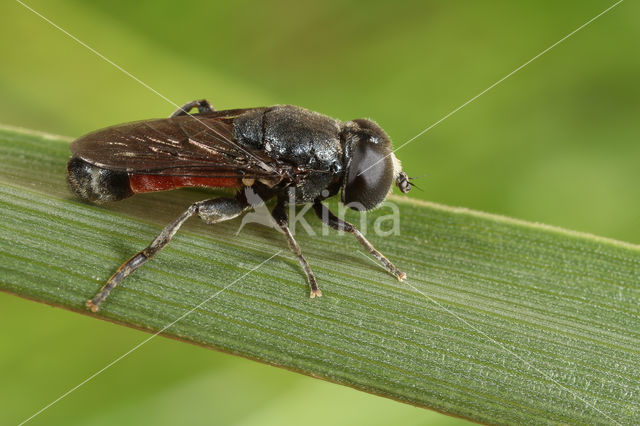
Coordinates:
210 211
203 106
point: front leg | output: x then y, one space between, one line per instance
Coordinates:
203 106
336 223
280 215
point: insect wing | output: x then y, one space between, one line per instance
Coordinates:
198 145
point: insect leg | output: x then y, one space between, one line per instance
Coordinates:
210 211
280 215
336 223
203 106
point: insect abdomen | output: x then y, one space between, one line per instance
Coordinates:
96 184
150 183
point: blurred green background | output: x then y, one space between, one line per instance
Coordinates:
556 143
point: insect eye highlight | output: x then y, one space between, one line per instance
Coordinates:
370 175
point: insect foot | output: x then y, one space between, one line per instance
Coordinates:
315 293
93 308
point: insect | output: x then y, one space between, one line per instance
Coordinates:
284 152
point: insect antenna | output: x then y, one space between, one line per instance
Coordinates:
418 177
413 185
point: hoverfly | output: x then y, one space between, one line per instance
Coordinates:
283 152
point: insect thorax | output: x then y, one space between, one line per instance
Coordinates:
305 139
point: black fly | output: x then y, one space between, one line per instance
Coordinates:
283 152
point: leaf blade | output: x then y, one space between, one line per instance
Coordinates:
507 321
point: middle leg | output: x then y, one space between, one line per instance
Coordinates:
280 215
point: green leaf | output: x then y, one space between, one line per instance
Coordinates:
499 321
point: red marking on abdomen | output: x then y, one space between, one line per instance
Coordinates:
151 183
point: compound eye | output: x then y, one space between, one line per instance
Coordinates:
369 177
